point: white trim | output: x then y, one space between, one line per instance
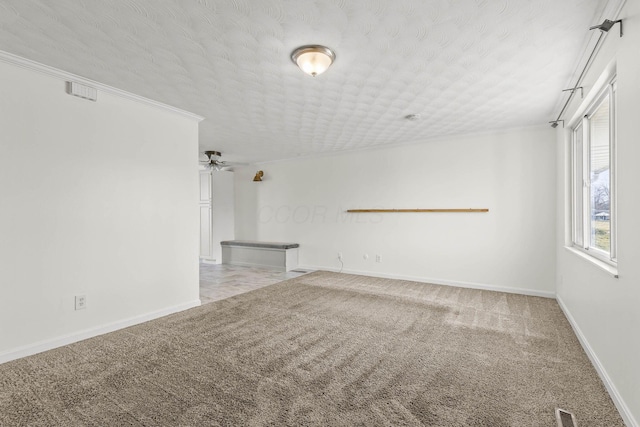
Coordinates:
598 90
612 270
71 338
470 285
602 92
626 414
66 76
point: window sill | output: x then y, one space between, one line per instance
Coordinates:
612 270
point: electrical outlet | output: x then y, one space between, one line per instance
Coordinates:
81 302
378 258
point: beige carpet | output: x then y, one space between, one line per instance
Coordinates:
323 349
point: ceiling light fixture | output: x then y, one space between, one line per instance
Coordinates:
313 59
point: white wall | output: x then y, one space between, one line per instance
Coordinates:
606 310
222 205
511 173
97 199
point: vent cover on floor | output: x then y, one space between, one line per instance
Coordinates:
565 418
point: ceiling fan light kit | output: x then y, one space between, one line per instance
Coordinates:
313 59
213 161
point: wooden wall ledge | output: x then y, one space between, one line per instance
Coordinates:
413 210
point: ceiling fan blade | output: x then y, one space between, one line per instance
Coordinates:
219 167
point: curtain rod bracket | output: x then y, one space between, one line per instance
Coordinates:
606 26
619 21
574 89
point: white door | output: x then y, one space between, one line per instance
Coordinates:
205 187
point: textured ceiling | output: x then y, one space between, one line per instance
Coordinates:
465 66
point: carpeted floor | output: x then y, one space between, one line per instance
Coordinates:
323 349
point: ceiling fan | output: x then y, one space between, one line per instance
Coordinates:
213 161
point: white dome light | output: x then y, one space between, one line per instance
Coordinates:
313 59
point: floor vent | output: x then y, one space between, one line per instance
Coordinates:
565 418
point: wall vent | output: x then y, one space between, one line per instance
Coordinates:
565 418
82 91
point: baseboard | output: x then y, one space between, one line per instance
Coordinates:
471 285
625 413
63 340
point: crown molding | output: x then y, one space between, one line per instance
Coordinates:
66 76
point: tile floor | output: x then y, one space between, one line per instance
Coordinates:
220 281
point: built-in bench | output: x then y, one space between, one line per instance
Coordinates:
264 254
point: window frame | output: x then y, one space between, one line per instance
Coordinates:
581 201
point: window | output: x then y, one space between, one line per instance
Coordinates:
593 178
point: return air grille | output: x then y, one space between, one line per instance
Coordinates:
565 418
82 91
